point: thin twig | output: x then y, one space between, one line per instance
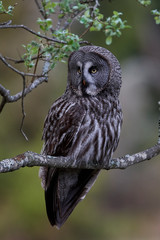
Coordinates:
14 98
6 23
94 7
40 8
3 59
36 64
75 17
23 111
86 30
5 93
33 32
3 102
17 61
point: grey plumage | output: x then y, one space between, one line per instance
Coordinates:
83 123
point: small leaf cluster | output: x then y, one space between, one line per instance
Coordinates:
49 7
71 8
32 50
67 11
145 3
156 14
57 52
66 41
3 10
112 26
45 24
60 50
65 8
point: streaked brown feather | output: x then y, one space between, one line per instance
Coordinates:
87 128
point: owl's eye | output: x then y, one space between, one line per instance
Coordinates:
79 70
93 70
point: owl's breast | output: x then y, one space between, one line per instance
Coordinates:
98 134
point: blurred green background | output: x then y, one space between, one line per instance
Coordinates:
122 205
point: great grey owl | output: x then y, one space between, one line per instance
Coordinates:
83 123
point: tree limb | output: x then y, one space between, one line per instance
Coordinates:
31 159
129 160
5 93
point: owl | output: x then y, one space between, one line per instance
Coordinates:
84 123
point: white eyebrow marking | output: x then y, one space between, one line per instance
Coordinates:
87 75
79 64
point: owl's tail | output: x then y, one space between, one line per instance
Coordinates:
64 189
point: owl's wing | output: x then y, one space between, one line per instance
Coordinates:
60 127
64 188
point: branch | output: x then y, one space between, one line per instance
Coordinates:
31 159
3 59
5 93
129 160
6 26
40 9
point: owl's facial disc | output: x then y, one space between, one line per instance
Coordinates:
88 73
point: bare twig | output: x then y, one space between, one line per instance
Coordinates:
6 23
76 15
31 31
17 61
23 112
94 7
40 8
3 102
86 30
5 93
36 64
3 59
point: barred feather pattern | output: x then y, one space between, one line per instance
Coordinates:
87 129
84 124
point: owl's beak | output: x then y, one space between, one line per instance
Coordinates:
84 82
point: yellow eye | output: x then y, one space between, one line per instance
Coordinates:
94 70
79 71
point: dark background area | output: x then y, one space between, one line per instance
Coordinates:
122 205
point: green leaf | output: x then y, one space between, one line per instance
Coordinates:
109 40
145 3
6 11
156 14
50 7
45 24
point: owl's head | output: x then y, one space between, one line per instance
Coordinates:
92 70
